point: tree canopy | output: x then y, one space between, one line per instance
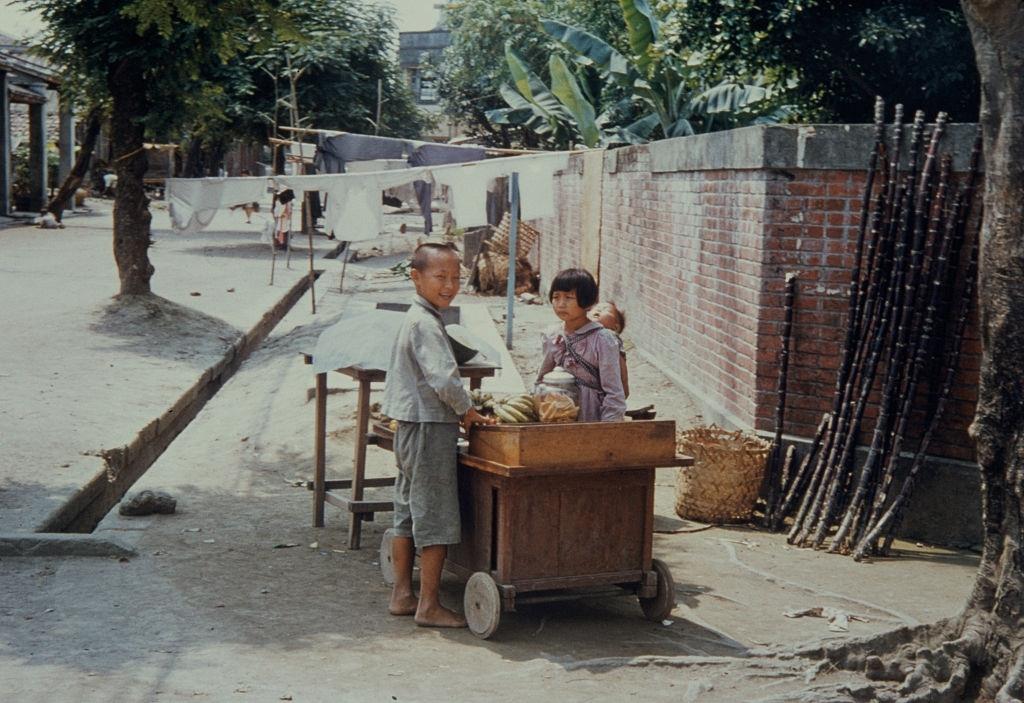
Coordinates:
172 69
827 58
474 66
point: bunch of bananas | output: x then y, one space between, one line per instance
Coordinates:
509 409
515 408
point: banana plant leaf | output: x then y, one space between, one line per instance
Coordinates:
643 127
591 49
643 29
511 116
531 87
727 97
567 90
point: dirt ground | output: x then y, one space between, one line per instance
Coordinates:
237 598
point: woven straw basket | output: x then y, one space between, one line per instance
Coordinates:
725 479
525 237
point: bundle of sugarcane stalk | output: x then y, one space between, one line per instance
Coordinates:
904 319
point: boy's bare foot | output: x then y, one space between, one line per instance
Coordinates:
439 616
403 604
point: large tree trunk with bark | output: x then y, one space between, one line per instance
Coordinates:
127 87
93 123
994 613
979 655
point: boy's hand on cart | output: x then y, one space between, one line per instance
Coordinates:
472 417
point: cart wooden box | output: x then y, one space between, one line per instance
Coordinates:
592 444
570 508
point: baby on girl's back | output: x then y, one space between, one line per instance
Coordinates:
584 348
608 315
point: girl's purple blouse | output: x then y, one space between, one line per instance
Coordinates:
599 347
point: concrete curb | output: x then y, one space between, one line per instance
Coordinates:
125 465
62 545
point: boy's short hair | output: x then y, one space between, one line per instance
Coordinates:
421 256
578 281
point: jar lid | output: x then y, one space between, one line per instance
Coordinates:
559 375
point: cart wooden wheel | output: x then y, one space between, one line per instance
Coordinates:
482 604
660 606
387 566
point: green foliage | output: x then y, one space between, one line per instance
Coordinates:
210 66
656 81
176 46
831 57
474 66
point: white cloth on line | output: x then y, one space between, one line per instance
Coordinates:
536 188
468 184
354 209
193 202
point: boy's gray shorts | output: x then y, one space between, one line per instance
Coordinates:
426 490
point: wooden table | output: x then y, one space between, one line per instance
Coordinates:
325 491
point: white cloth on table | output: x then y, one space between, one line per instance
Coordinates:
354 210
193 202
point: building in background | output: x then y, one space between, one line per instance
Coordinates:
419 56
33 122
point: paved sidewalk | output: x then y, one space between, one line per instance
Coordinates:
82 372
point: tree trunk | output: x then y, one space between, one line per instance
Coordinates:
979 655
996 607
127 87
92 132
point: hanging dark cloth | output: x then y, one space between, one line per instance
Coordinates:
437 155
332 153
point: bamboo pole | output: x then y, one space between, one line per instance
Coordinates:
888 523
906 288
773 479
839 460
795 483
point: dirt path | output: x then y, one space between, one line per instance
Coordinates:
216 608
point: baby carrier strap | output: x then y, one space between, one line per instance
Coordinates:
590 368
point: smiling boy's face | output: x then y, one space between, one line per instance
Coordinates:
439 280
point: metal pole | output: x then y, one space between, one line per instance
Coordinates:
513 232
380 99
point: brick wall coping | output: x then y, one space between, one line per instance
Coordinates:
832 147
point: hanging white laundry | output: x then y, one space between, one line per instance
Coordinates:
469 182
354 209
536 187
193 202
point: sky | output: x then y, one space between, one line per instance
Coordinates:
412 15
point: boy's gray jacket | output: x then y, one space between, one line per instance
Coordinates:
423 382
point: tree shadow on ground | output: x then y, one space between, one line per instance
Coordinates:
202 582
149 325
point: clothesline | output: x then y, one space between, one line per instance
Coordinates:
353 211
337 133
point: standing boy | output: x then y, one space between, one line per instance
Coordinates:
424 393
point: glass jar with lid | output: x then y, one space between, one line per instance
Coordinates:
557 397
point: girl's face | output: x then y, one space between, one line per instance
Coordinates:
568 309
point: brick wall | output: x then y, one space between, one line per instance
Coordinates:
697 236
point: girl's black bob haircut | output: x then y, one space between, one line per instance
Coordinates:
286 196
578 281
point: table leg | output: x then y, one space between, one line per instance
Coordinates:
474 383
362 427
319 447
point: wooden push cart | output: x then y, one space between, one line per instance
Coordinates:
559 511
